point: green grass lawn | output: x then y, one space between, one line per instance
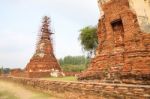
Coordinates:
68 78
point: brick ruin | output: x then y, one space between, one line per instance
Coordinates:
123 51
43 61
17 72
83 90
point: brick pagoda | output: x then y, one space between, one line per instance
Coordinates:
43 61
124 50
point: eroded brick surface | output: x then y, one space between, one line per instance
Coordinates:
83 90
124 50
43 61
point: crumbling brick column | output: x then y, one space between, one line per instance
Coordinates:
123 49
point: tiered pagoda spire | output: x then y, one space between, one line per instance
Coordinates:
45 36
44 59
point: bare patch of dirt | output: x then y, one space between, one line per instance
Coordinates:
14 91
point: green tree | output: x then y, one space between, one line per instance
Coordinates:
73 60
73 68
73 63
88 39
6 70
0 71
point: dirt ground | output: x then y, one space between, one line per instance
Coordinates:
9 90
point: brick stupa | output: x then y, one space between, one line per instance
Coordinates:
124 50
43 61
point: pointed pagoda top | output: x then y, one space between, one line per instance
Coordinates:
45 31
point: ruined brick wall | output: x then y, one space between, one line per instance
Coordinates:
18 73
82 90
123 48
38 74
35 74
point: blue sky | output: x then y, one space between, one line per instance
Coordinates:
20 22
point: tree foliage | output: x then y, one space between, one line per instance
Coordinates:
73 68
73 63
0 71
73 60
88 38
4 70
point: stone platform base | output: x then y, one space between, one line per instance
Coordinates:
86 90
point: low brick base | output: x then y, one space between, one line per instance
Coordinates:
83 90
38 74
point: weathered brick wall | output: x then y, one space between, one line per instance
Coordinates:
86 90
71 73
18 73
38 74
123 48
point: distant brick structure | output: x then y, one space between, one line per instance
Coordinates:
124 50
17 72
43 61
